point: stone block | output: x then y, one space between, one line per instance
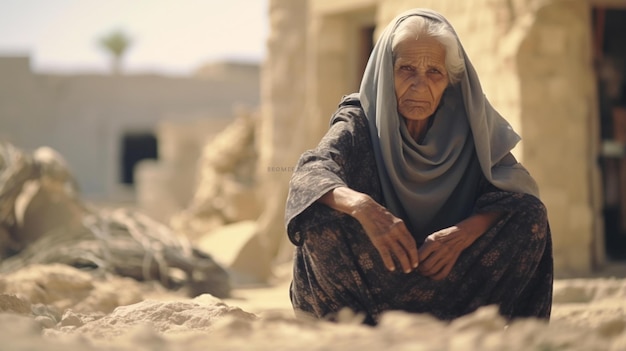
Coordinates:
238 248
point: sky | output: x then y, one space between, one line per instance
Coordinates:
168 36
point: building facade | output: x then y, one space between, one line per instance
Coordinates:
104 124
538 61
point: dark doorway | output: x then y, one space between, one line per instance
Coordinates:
136 147
609 27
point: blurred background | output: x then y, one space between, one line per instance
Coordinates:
63 36
95 79
195 112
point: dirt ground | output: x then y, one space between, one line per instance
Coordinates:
112 313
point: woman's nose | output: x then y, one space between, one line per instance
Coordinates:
419 83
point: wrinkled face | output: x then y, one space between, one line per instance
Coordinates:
420 77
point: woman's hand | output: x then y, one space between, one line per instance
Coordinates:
387 233
441 249
389 236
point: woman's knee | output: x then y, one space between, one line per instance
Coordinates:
532 209
530 222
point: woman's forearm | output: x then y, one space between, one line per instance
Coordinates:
477 224
354 203
346 200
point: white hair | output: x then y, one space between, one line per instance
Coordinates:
414 26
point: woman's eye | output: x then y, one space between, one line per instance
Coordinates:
434 70
406 68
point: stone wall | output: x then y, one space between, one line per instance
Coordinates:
560 125
283 131
533 59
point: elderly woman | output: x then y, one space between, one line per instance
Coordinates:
412 200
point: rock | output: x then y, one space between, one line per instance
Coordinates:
226 181
14 304
237 247
70 318
164 317
47 311
45 321
55 284
63 287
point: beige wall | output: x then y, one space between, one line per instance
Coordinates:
560 125
84 116
533 58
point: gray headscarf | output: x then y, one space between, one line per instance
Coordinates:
424 183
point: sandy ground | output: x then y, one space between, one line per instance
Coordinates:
60 308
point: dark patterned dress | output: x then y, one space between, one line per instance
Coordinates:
336 265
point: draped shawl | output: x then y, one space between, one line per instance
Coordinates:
425 181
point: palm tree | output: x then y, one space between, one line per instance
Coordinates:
115 43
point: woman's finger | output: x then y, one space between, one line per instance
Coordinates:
427 249
443 273
386 257
433 264
410 247
401 255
